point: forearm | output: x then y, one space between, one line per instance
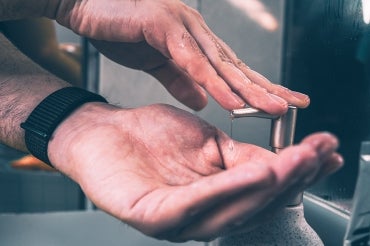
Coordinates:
23 85
19 9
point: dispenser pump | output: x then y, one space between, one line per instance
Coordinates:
282 131
282 127
289 227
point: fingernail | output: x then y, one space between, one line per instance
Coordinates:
338 164
326 147
303 97
238 101
279 100
327 143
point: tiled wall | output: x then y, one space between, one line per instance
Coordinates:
230 20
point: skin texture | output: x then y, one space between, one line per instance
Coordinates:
162 170
186 56
182 179
36 38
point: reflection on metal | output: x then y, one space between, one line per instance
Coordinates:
251 112
282 131
282 127
366 158
257 11
289 226
366 11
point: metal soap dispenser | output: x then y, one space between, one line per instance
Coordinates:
289 227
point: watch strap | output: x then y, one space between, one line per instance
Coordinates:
45 118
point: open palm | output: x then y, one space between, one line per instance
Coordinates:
173 176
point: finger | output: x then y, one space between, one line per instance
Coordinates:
324 143
245 225
321 146
236 80
297 99
291 169
180 85
295 168
188 56
292 97
332 164
250 85
198 198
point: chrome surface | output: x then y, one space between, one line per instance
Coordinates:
282 127
282 130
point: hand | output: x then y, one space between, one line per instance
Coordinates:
187 57
173 176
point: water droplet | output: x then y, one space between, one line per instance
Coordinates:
231 127
231 145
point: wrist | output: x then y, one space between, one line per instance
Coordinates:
49 113
74 133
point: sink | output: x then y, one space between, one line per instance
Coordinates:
327 219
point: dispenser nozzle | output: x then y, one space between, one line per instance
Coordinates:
282 130
282 127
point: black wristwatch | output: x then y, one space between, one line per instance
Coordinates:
45 118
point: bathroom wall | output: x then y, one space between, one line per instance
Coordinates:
238 23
